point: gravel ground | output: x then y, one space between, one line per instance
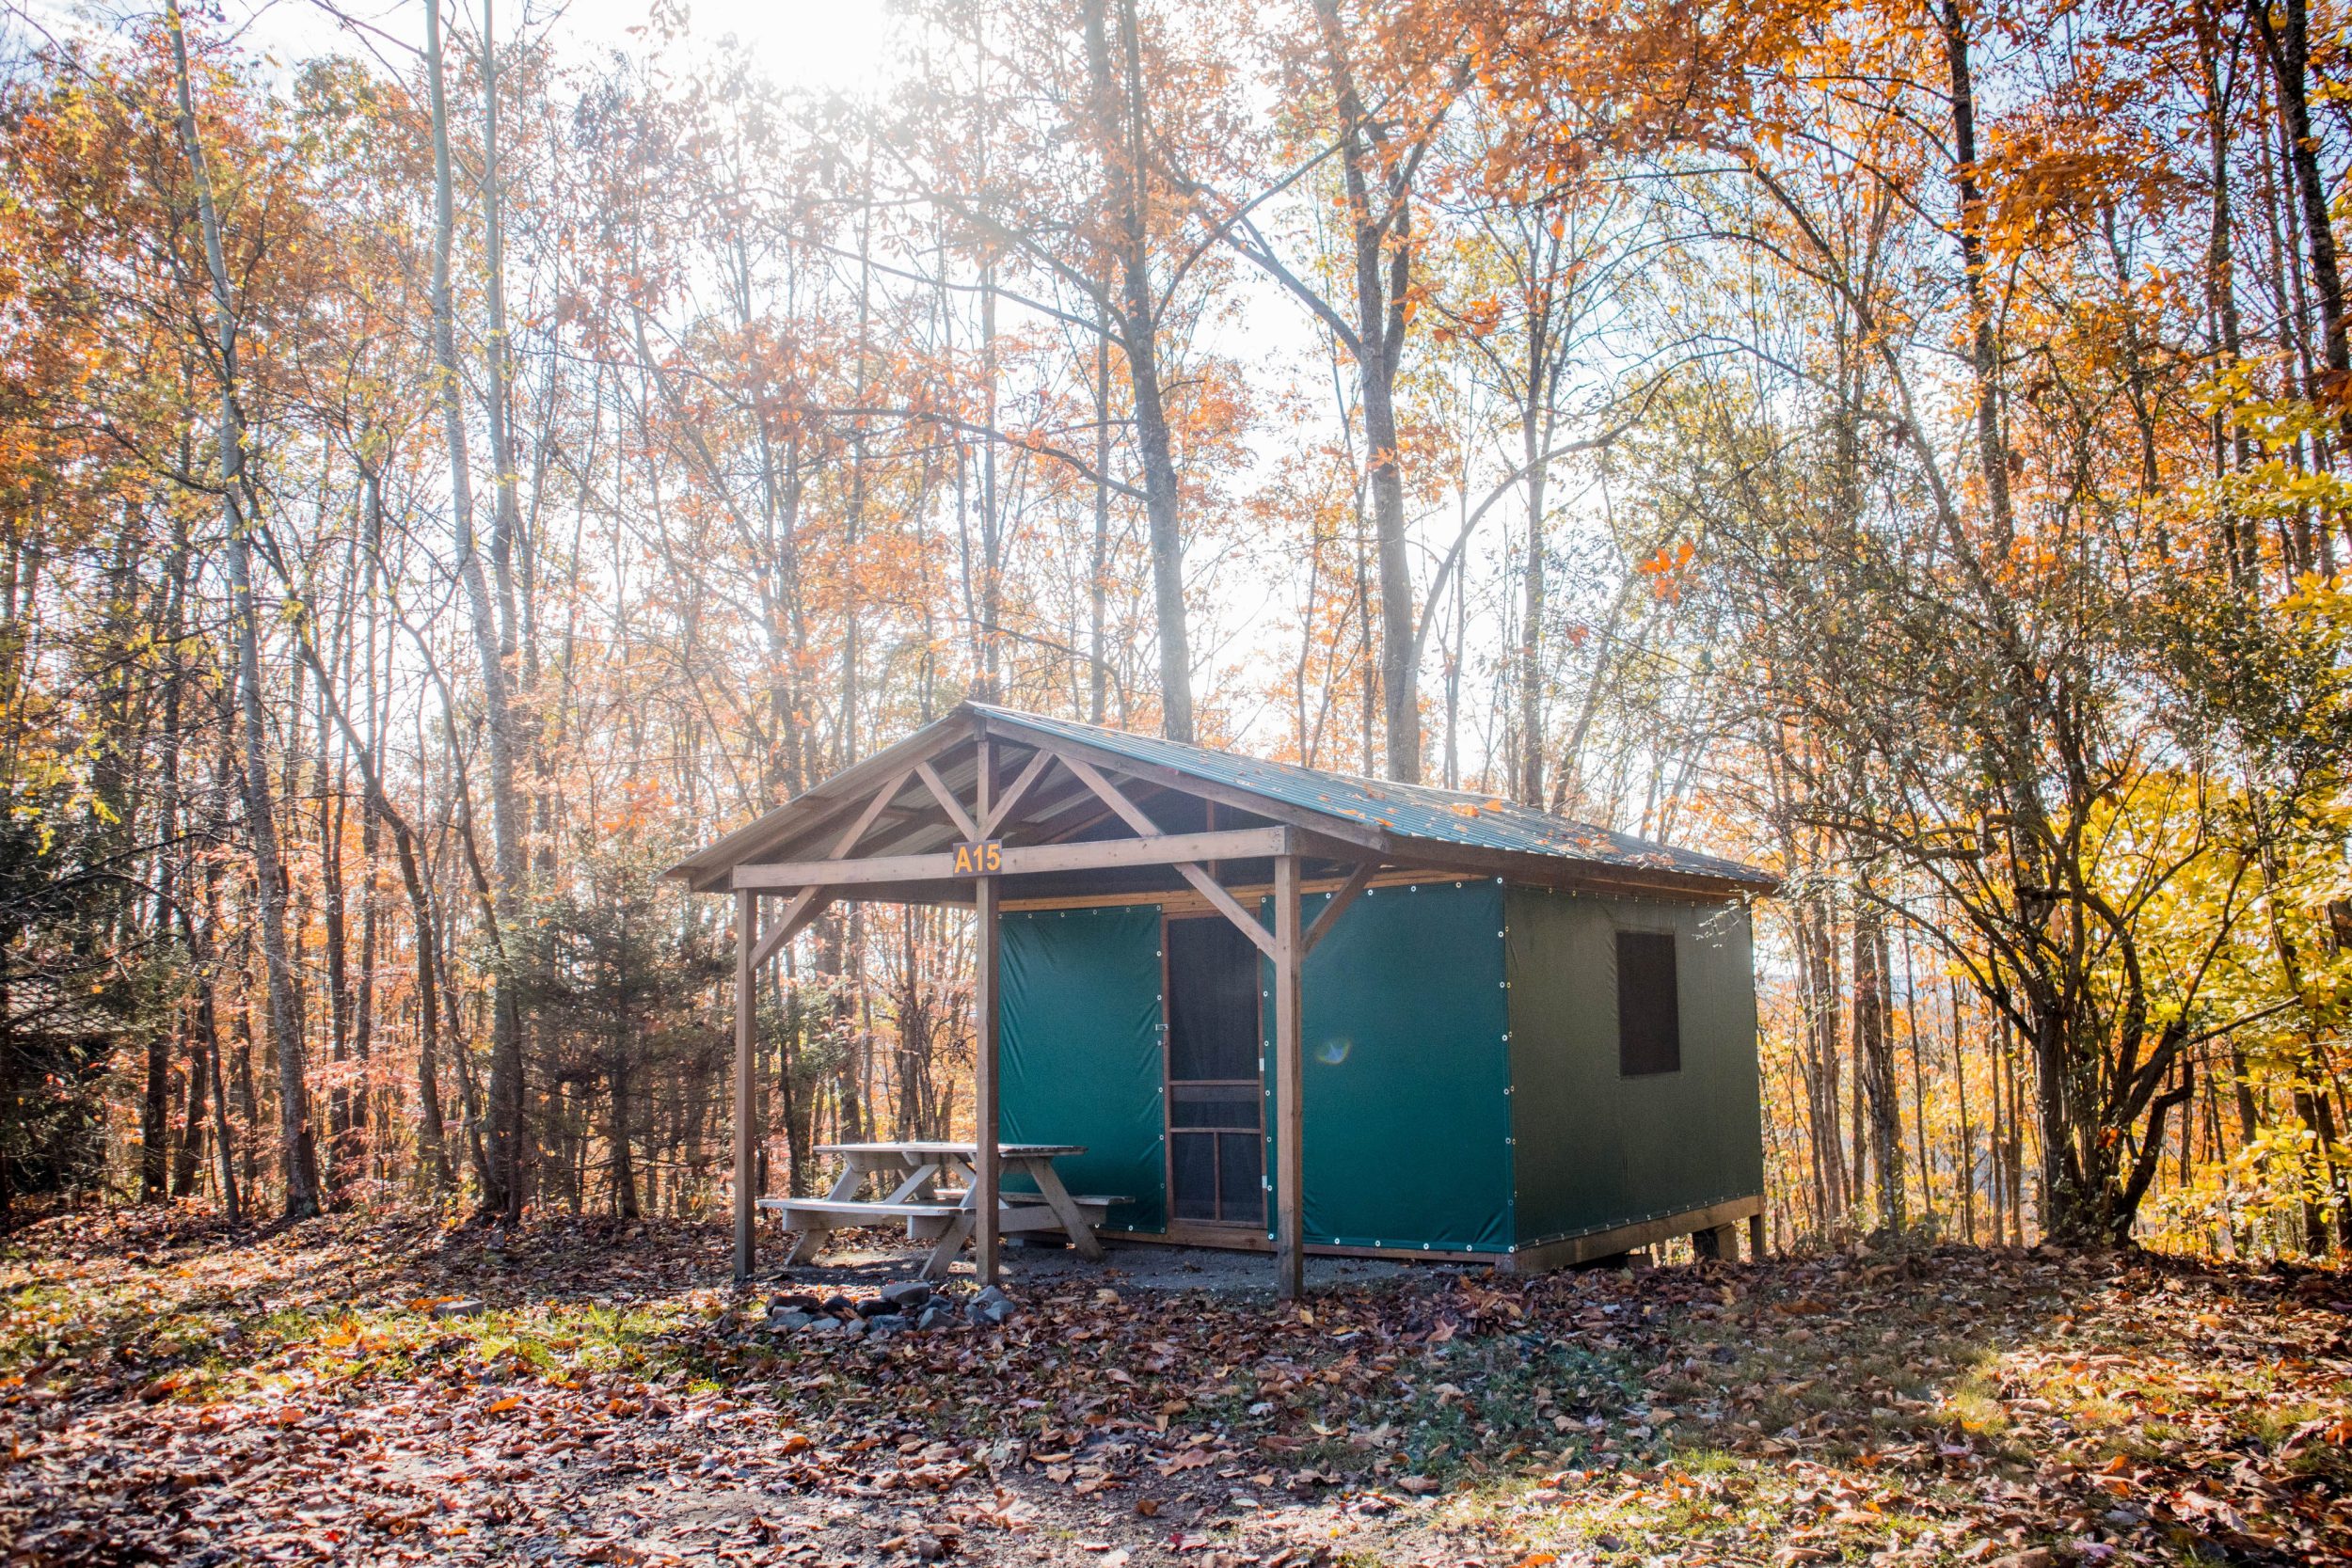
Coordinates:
869 1259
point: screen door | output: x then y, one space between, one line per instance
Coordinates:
1215 1097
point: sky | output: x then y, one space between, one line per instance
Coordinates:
815 43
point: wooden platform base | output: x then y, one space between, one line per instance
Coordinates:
1715 1219
1597 1244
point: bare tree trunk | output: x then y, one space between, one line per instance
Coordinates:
502 1193
1098 562
2288 49
1820 961
294 1150
1874 1053
1536 607
624 1171
1122 132
1983 349
1382 243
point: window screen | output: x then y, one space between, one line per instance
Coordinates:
1211 1002
1649 1022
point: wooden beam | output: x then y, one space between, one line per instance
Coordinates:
1349 891
1231 844
797 917
1128 811
807 815
986 1175
1011 797
874 808
1290 1119
947 801
1628 1238
1230 907
1361 835
746 1088
812 902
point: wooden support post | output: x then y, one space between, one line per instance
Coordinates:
1290 1120
746 1088
986 1171
1755 1237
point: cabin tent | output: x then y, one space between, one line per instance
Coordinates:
1521 1039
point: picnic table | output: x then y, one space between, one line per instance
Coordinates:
909 1176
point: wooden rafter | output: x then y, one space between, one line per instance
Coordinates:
810 902
1011 797
1205 885
796 917
947 801
874 808
1348 893
1361 835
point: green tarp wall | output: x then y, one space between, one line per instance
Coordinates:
1594 1148
1079 1029
1444 1109
1407 1084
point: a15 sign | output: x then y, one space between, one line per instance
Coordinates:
982 858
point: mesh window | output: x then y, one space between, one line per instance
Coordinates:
1192 1159
1211 1002
1240 1178
1649 1022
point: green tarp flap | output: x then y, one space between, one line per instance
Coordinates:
1595 1148
1406 1076
1080 1037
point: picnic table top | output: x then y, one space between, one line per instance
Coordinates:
1002 1149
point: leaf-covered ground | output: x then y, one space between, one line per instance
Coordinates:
176 1393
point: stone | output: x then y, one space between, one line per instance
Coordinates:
786 1321
854 1327
886 1324
465 1307
796 1301
824 1325
837 1304
874 1307
906 1294
934 1316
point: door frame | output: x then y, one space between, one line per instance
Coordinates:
1167 1098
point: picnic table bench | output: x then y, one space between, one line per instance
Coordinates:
910 1174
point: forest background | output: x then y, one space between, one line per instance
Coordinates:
454 463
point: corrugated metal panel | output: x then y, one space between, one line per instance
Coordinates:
1410 811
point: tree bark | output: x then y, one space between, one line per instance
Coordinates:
2286 44
1121 132
1983 348
295 1154
503 1164
1874 1053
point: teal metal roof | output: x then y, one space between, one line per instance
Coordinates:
1409 811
